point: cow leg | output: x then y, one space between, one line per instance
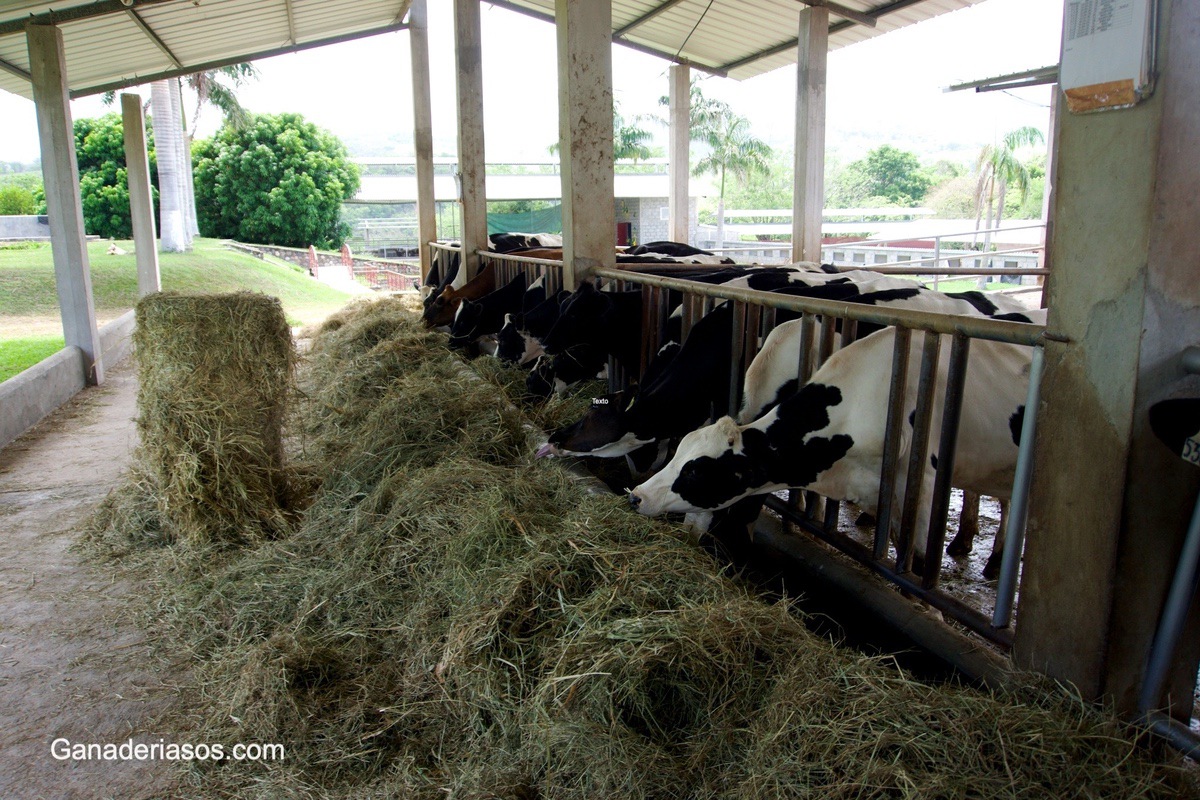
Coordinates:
968 526
991 570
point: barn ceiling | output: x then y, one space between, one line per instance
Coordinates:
111 44
116 43
743 38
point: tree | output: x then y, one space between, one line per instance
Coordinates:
278 180
629 138
103 184
173 233
16 200
997 167
213 87
217 88
732 151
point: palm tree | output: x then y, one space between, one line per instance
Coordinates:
177 196
998 166
629 140
733 151
168 139
217 88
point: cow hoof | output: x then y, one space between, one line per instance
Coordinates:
959 549
991 570
865 519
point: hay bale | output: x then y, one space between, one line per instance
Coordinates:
214 374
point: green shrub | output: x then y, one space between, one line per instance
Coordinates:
16 200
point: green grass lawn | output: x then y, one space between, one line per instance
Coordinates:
27 290
21 353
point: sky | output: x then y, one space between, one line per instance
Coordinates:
885 90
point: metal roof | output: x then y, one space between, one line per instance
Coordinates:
115 43
110 44
743 38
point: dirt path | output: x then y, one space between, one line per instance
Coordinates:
73 662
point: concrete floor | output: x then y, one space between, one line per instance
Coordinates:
73 662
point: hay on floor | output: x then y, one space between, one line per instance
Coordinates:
214 374
454 618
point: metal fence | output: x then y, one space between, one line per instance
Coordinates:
754 316
827 326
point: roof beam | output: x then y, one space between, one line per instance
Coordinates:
225 62
641 48
154 37
75 13
291 15
874 14
13 69
667 5
842 11
1015 80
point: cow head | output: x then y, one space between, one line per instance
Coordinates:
512 345
602 432
540 382
578 319
577 363
711 469
440 310
463 331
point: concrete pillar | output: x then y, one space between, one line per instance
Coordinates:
468 58
1110 504
808 200
418 41
141 203
60 172
585 136
680 149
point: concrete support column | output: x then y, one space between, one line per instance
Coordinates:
141 203
418 40
1111 504
585 136
468 58
60 172
808 200
680 149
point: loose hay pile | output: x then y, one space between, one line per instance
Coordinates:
454 618
214 377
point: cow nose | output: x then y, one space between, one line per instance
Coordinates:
634 501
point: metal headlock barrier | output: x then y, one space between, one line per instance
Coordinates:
754 316
508 266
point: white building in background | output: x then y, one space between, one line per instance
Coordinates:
640 189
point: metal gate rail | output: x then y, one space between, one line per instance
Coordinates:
754 313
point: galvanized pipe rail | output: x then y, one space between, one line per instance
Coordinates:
507 265
752 309
974 327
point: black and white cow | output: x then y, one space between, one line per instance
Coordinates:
520 339
476 318
828 436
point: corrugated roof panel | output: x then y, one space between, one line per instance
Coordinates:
90 47
316 19
215 29
756 35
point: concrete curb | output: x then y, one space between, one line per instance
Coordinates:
28 397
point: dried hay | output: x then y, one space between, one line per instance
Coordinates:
454 618
214 373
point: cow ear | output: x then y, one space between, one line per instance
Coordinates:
728 428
